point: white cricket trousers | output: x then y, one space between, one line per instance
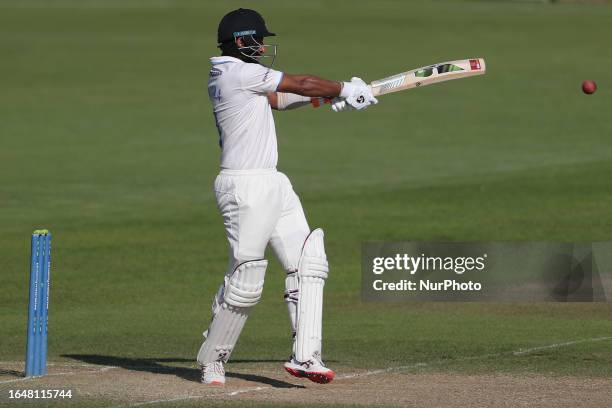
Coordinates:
259 207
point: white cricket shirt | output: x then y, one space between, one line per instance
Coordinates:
247 135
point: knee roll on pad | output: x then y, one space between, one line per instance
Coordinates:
313 269
242 291
246 284
313 262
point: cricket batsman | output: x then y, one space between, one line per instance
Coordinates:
257 202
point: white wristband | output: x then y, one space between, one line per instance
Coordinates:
290 100
347 90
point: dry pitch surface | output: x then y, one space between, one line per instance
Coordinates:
158 383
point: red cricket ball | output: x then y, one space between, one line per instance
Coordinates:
589 87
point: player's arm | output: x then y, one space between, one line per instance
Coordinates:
309 85
286 101
295 91
298 90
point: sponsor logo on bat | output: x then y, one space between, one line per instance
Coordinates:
443 68
424 72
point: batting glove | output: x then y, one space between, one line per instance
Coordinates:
357 94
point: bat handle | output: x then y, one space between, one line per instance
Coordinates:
318 101
375 90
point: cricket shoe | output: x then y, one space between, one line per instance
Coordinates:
213 373
313 369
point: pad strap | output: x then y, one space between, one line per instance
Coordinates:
292 295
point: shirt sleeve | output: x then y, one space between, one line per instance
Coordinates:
259 79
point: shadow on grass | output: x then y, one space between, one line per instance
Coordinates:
153 365
15 373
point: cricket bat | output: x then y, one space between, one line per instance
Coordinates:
431 74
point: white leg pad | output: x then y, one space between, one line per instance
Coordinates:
292 293
312 272
242 291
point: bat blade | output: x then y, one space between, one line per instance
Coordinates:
429 75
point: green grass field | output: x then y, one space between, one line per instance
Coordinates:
108 140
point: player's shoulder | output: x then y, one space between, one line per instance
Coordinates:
257 74
224 59
224 62
250 71
250 77
219 65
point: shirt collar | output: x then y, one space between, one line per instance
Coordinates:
223 59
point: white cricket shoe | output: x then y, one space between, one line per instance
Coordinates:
313 369
213 373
